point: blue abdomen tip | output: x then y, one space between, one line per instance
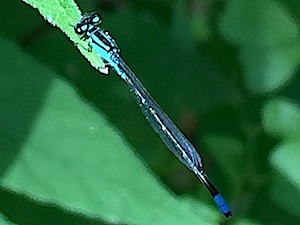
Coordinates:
223 206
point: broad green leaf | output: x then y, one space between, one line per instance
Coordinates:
4 220
286 187
281 117
268 41
58 149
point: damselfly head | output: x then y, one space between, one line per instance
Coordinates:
88 22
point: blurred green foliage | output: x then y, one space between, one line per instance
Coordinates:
75 148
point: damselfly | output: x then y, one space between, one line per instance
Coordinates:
101 41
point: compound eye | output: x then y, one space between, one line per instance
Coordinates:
84 28
96 18
80 29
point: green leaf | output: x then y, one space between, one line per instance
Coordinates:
285 158
4 220
256 23
267 69
268 40
64 14
286 188
59 150
281 118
